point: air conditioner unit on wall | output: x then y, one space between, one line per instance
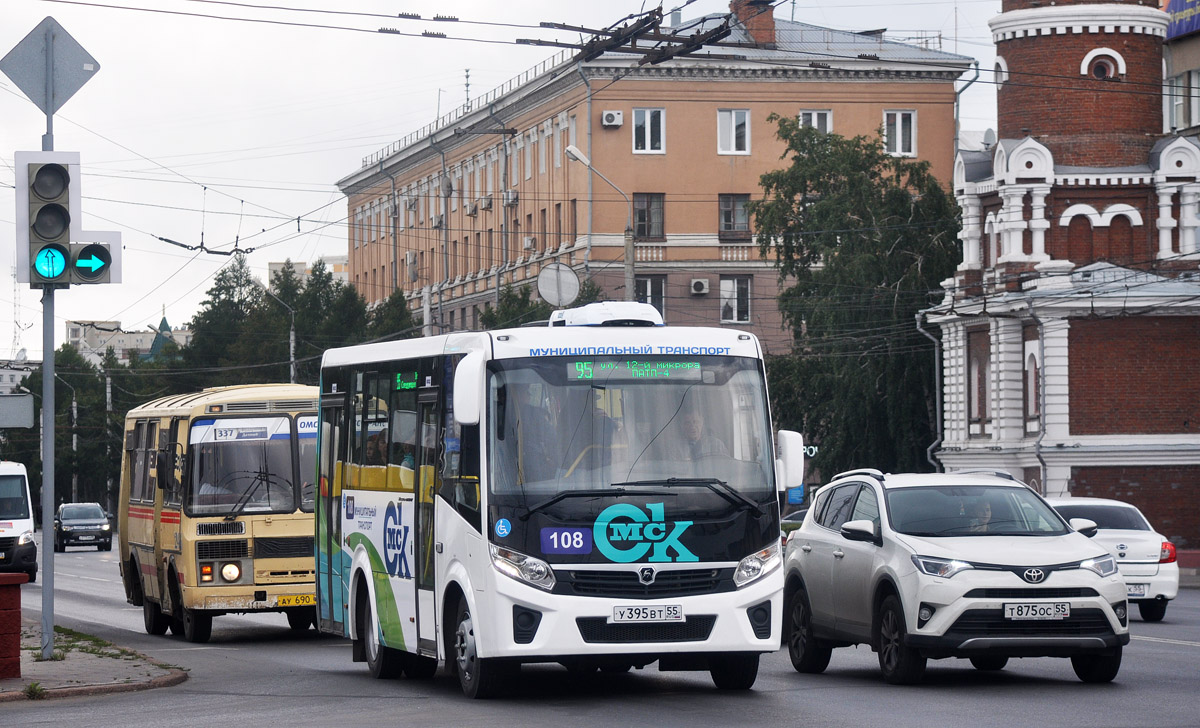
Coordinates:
529 242
612 118
511 197
472 209
699 286
436 221
485 203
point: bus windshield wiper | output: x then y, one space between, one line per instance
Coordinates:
261 476
720 487
582 493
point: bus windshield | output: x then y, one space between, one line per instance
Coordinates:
242 465
561 424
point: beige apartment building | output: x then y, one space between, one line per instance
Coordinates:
487 196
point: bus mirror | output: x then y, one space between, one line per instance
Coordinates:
467 379
789 466
162 467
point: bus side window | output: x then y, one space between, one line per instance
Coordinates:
137 457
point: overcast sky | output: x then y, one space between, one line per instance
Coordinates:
231 129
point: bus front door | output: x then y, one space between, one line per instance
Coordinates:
331 596
427 487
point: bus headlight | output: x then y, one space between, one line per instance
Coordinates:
522 568
25 538
757 565
231 571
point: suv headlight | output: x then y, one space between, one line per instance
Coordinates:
106 527
945 568
1104 565
522 568
25 538
757 565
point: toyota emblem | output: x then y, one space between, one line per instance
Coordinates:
646 575
1034 576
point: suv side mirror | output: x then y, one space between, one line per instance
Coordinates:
863 530
1086 526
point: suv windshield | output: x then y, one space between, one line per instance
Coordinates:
242 465
1122 517
570 423
976 510
82 513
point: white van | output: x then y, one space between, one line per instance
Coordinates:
18 550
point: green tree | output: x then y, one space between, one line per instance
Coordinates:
863 238
222 321
392 319
515 307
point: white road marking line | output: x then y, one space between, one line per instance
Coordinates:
1185 643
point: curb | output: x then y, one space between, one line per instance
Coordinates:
174 677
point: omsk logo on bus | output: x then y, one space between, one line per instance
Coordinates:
395 543
625 533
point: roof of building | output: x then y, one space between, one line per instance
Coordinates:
813 43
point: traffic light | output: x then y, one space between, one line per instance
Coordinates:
91 263
48 208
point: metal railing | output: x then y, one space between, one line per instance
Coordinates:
458 113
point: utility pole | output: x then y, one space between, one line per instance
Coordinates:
110 502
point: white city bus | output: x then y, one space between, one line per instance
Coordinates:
546 495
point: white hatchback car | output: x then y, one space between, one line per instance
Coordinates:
1145 558
930 566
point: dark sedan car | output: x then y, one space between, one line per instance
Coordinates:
82 524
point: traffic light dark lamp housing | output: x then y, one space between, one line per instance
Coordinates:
48 212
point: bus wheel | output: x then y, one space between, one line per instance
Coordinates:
384 662
300 619
479 677
156 622
197 625
735 671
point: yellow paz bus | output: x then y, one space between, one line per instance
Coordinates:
216 506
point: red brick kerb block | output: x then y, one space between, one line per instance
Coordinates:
10 624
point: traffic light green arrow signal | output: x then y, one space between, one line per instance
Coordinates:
91 262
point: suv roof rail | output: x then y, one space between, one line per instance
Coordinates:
877 474
987 471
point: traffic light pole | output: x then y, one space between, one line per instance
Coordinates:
48 408
48 472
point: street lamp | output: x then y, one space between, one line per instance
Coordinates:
573 153
291 334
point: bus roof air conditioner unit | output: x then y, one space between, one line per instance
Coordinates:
699 286
612 119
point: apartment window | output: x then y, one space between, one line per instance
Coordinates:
558 228
648 132
1179 92
651 290
735 299
648 215
573 218
819 119
733 131
735 220
529 154
900 132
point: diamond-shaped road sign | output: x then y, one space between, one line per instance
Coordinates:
49 51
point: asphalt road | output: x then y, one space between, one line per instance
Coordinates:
256 671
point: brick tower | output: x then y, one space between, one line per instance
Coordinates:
1071 331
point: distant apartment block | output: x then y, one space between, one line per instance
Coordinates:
93 338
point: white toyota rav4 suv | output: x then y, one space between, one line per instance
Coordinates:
968 564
